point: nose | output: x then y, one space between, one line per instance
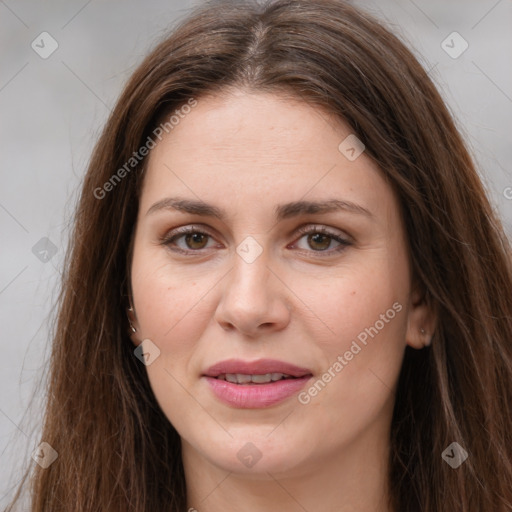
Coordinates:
254 299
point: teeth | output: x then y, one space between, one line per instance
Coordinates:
240 378
261 379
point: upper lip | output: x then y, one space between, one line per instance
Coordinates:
259 367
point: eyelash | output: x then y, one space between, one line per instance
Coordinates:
169 239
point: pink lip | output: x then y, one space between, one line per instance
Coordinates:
259 367
255 396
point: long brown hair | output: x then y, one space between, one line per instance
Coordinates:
117 450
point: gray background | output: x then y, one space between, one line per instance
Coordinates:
52 110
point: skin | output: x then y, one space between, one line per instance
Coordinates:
247 152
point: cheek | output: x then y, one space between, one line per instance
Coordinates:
170 310
161 293
345 305
171 306
360 341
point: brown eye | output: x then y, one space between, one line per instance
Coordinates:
188 239
319 241
196 240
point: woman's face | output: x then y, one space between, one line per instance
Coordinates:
235 272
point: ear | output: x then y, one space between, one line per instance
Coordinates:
422 319
133 324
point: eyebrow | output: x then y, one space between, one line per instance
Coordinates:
281 211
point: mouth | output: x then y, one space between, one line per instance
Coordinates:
257 384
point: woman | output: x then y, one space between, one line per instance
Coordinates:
286 288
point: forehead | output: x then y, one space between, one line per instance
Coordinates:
253 124
259 146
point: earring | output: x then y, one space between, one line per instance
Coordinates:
429 338
130 310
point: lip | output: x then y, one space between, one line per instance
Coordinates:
259 367
255 396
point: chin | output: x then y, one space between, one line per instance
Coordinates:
253 453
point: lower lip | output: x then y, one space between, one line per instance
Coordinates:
256 396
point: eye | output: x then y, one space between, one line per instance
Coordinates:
190 239
320 239
193 239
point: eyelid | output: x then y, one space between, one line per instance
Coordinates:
322 228
303 229
189 228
